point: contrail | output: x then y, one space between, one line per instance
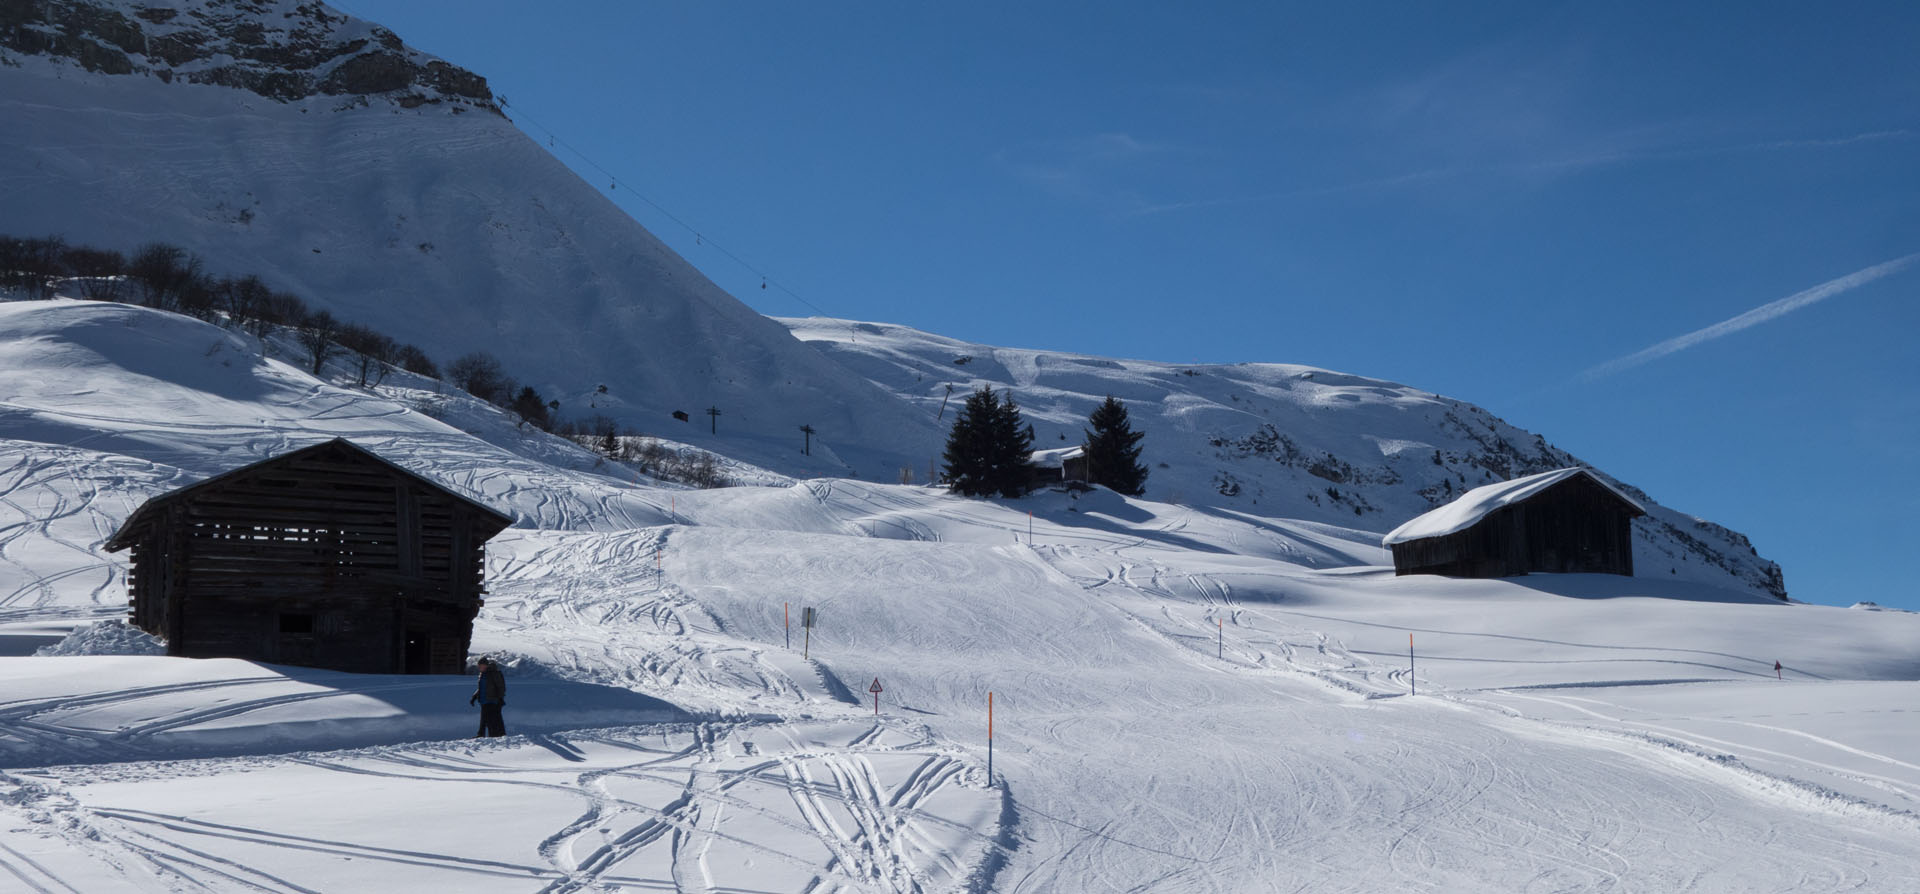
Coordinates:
1753 317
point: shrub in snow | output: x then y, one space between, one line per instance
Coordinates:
106 638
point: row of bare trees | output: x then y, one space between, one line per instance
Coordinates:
170 278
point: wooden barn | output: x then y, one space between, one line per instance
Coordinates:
328 556
1565 521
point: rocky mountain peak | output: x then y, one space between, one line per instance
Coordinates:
279 49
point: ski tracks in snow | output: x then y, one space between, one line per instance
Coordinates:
599 607
1197 614
830 806
65 503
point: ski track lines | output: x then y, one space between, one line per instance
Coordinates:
1198 616
594 602
835 807
63 516
1380 794
18 717
1897 781
1454 803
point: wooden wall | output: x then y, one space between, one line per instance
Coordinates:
1575 526
323 558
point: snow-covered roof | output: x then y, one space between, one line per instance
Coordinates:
1480 502
1057 457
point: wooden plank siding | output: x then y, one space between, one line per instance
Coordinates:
325 557
1575 526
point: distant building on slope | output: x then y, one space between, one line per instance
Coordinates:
328 556
1565 521
1056 466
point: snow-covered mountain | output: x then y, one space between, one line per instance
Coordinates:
287 139
1276 439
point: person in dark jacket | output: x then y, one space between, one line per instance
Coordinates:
491 695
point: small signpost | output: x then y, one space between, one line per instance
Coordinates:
1776 670
806 623
875 689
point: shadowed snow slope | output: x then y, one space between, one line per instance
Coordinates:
440 224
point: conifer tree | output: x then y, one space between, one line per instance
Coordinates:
1113 450
988 448
529 406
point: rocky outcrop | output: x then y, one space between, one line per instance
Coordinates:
284 51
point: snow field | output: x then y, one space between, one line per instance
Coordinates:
1187 699
99 709
841 806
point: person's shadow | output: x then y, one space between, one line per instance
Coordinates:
558 747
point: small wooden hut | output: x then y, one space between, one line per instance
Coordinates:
1565 521
1048 468
328 556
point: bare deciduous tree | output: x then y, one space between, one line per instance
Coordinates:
319 335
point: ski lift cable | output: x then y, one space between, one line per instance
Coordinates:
700 238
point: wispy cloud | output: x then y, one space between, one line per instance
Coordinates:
1304 192
1763 313
1097 169
1569 164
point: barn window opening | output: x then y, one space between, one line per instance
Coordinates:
296 622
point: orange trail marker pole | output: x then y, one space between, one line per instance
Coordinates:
1220 648
1412 687
989 738
786 620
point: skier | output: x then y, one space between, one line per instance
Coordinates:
491 695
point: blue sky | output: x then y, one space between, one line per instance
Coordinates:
1534 207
